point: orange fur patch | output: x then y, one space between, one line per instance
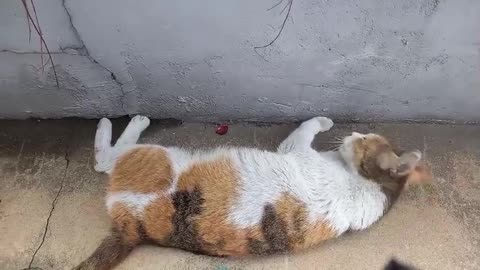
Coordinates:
284 228
300 233
158 219
143 169
217 181
293 214
255 233
125 223
316 233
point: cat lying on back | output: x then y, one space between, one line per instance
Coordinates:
244 201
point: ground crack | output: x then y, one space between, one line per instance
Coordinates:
54 203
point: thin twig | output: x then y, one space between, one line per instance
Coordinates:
285 7
289 4
28 21
44 65
261 56
39 28
43 41
276 5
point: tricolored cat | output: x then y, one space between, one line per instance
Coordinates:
245 201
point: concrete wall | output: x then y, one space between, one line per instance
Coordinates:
194 60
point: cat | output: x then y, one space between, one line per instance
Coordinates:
243 201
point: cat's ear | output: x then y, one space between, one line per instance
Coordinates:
422 174
399 166
406 163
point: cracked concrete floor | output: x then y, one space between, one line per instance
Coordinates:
52 213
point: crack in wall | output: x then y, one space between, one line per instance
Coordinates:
93 60
81 50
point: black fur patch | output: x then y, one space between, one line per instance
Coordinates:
142 233
274 232
188 204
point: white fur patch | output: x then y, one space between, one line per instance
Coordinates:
135 201
320 180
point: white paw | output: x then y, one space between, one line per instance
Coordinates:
140 121
101 167
104 123
325 123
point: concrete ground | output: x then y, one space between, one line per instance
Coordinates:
52 213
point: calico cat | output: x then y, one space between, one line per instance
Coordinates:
243 201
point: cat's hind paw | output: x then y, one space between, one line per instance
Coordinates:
103 135
140 121
104 124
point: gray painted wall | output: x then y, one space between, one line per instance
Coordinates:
194 60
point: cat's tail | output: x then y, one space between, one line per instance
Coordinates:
113 249
103 146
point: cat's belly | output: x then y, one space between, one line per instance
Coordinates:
205 207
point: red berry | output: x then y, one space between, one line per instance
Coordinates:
221 129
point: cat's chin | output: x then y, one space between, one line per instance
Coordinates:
346 154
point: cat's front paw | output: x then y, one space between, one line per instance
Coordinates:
325 123
140 121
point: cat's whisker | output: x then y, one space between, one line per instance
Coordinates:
331 142
333 148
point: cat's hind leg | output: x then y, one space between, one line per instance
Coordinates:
105 154
132 132
103 138
128 139
301 138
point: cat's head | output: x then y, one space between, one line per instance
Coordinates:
373 157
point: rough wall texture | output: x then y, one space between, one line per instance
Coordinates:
194 60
